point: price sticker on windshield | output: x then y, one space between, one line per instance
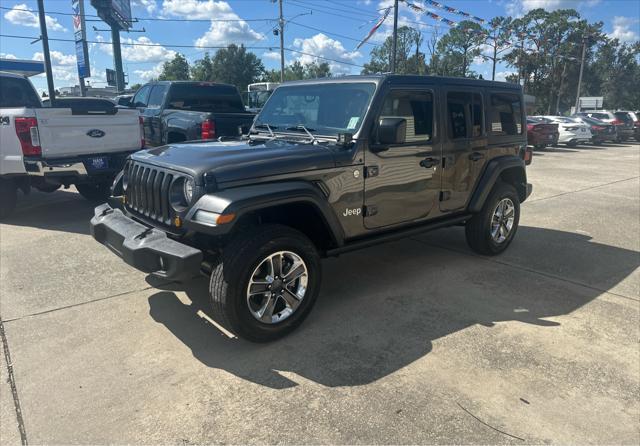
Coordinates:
353 122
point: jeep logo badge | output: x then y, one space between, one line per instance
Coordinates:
95 133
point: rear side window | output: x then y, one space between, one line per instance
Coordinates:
457 114
623 116
505 114
205 97
156 98
17 92
416 107
477 117
599 115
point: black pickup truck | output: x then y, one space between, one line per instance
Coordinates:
176 111
329 166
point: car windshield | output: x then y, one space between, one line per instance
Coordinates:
326 108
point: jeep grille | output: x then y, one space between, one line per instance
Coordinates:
147 192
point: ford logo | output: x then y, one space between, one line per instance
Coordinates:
95 133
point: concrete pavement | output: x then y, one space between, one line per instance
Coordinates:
419 341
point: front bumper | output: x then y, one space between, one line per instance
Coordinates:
143 247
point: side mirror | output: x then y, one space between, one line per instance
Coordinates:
392 131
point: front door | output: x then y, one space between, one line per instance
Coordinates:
402 182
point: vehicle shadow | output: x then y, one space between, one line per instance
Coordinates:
62 210
382 308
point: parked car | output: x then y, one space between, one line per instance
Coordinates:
176 111
70 143
633 117
98 105
541 134
571 132
624 130
600 131
330 166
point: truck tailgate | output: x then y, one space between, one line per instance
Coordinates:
65 134
227 124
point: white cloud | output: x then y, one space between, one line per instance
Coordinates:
19 16
63 67
519 7
219 33
273 55
150 52
502 75
625 29
57 58
321 45
7 56
149 5
147 75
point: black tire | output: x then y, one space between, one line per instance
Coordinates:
230 280
8 197
572 143
95 192
478 229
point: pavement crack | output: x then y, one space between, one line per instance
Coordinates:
529 270
52 310
488 425
581 190
12 384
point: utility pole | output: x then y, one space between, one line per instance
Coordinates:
395 36
281 23
584 49
117 58
45 48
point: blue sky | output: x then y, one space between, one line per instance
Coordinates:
328 28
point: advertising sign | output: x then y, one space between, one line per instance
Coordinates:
79 32
122 11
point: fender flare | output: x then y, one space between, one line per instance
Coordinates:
246 199
490 175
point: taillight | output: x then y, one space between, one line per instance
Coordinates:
617 122
142 141
596 127
208 129
27 131
530 126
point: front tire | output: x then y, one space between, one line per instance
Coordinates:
267 282
8 197
491 231
95 192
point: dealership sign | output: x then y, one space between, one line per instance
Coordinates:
79 32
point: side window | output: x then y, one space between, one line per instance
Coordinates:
505 114
142 97
156 98
458 114
17 92
477 116
416 107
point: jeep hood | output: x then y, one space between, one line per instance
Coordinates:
239 160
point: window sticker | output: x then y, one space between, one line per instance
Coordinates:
496 126
353 122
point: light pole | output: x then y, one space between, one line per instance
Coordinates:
395 36
45 48
584 49
281 23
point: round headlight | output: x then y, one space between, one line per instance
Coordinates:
187 189
177 196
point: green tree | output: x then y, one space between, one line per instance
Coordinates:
235 65
135 87
616 69
297 71
176 69
202 69
409 58
317 70
456 50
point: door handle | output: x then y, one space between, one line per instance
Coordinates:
429 162
475 156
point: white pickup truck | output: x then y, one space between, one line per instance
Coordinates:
46 148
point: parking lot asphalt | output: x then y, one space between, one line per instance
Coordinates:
417 341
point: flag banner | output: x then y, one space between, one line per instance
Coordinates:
439 5
375 28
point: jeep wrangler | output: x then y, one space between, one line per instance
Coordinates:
329 166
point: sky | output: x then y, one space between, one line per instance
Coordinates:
325 28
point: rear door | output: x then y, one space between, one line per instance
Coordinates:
139 102
401 183
152 114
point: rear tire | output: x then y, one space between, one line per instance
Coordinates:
8 197
481 232
95 192
249 263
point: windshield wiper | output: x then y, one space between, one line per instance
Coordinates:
268 127
305 129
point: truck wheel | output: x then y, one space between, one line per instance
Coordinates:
492 230
98 192
8 197
267 282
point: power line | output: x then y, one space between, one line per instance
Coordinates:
343 62
331 33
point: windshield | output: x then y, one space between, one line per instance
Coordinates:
257 99
325 108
